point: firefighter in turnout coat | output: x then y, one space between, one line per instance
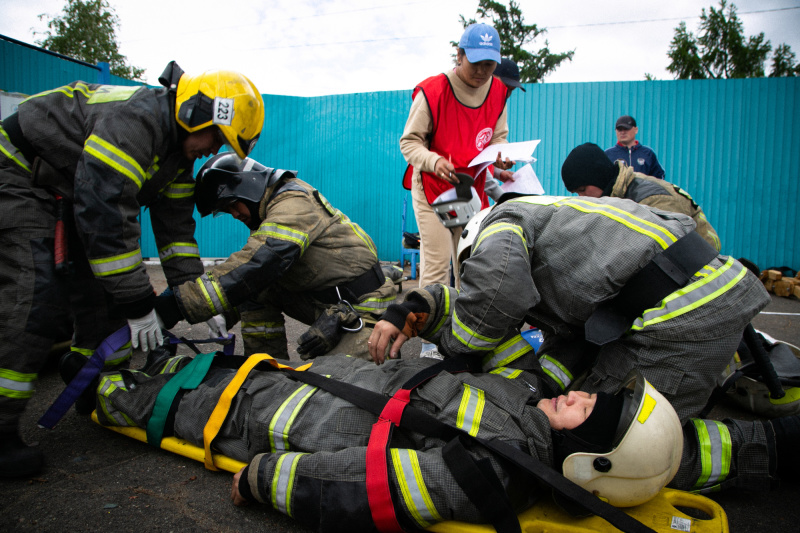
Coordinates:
304 258
77 163
582 270
587 171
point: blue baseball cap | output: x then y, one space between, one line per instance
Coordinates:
480 42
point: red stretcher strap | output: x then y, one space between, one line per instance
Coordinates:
378 493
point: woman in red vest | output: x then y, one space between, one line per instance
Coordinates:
454 116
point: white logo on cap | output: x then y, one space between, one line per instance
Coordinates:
487 40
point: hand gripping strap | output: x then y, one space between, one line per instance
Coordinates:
84 377
378 491
220 412
188 378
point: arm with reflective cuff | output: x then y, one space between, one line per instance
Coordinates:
174 228
113 168
497 287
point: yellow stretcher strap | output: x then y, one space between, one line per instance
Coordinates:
220 412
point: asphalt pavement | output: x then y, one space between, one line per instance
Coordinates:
98 480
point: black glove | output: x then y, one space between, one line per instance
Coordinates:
325 332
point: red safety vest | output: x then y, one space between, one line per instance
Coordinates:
459 132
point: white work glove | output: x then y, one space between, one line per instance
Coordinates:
217 327
146 331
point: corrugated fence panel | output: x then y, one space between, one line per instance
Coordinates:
28 71
732 144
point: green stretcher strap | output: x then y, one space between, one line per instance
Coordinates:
188 378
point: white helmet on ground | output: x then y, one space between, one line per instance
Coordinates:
645 453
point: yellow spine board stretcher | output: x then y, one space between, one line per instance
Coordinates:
660 513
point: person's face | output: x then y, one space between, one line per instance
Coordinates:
240 212
589 190
474 74
570 411
202 143
510 90
626 137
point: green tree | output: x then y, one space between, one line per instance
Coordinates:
720 49
87 30
783 63
515 35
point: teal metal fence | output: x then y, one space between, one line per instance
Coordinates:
733 144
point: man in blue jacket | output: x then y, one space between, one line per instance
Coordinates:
637 156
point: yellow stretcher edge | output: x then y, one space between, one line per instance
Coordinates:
660 513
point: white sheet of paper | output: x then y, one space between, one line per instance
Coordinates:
520 152
525 182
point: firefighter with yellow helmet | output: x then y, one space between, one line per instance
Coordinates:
77 164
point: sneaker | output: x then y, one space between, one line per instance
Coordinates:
432 354
17 459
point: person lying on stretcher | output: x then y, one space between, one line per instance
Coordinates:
307 448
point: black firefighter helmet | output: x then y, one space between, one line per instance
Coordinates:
226 178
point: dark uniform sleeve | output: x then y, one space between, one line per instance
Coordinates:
292 224
497 289
118 157
173 228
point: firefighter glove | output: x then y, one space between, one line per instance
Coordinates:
326 331
217 328
146 331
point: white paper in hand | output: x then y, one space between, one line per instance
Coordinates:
525 182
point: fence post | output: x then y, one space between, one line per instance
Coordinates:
104 74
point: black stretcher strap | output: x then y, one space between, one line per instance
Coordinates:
369 281
481 486
667 272
421 422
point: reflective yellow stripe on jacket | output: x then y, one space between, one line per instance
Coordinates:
694 295
470 410
117 264
470 338
412 486
11 151
179 190
283 482
16 384
506 353
715 450
284 233
178 249
115 158
284 417
557 372
213 294
108 384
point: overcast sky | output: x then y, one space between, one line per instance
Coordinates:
319 47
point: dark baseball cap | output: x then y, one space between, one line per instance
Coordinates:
508 72
625 122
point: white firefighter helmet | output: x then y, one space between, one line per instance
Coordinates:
455 207
469 235
645 454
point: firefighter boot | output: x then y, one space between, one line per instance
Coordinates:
17 459
69 366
